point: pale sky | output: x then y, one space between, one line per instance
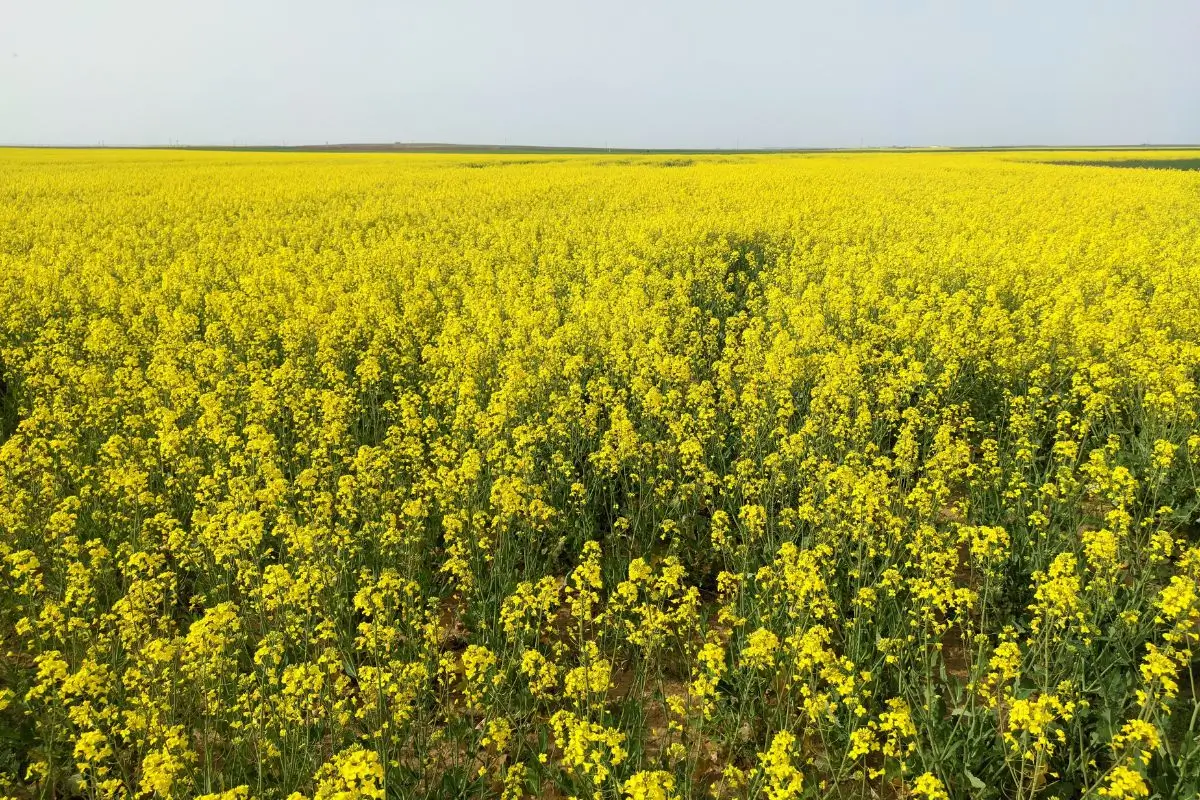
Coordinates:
622 73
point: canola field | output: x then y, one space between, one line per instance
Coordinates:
661 478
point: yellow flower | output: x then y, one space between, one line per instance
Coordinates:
759 652
408 463
1124 784
514 782
897 728
352 774
707 673
650 786
163 768
1159 673
779 776
1032 729
479 673
236 793
499 732
588 748
591 678
1004 667
91 750
1139 736
541 672
1057 603
928 787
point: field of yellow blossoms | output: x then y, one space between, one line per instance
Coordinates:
646 477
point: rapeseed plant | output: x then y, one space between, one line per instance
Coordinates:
342 476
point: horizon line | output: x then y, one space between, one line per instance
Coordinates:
457 147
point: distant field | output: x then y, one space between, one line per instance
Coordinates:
610 475
1142 163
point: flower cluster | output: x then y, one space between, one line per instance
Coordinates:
739 476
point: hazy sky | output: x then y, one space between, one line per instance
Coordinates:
677 73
